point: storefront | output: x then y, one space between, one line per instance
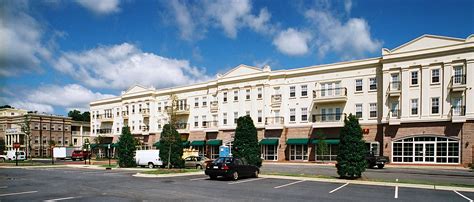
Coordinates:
426 149
269 149
298 149
214 148
332 150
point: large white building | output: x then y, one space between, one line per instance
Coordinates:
415 104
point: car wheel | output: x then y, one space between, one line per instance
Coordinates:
380 166
235 175
255 174
150 165
73 159
199 167
213 177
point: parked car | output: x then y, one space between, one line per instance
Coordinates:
150 158
231 167
3 157
12 156
198 162
80 155
373 160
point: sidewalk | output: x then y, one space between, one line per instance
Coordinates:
333 164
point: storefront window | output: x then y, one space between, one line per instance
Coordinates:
331 155
298 152
214 152
426 150
269 152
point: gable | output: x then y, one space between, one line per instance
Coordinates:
135 89
427 42
242 70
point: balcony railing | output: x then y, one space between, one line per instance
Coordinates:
144 112
210 124
125 114
145 128
278 120
394 88
334 117
276 99
330 94
105 117
459 110
104 131
394 113
179 109
182 126
458 82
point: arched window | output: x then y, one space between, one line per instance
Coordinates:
426 149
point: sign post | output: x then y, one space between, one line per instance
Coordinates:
16 145
108 153
52 155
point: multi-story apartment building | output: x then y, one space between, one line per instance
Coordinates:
414 103
44 128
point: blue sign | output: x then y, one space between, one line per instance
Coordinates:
224 151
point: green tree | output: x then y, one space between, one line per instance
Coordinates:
171 148
126 149
6 106
322 146
351 161
246 141
75 115
86 116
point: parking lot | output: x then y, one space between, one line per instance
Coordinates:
119 185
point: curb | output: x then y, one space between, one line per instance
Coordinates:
388 184
167 175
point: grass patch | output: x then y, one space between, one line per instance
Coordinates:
169 171
24 163
403 181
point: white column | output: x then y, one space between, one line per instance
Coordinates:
469 92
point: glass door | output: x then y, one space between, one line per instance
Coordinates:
429 152
418 152
394 110
457 103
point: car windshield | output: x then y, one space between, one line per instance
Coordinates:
222 160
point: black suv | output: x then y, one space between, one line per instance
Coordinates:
231 167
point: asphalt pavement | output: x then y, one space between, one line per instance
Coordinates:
41 184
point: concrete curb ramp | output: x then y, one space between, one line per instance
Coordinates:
390 184
168 175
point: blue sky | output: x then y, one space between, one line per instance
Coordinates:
58 55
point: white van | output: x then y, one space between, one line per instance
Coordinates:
11 155
150 158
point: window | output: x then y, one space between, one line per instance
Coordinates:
236 95
269 152
298 152
414 106
292 91
133 109
373 83
196 121
304 114
414 78
259 93
373 110
36 139
74 141
435 105
236 116
247 113
426 149
304 90
359 111
204 101
247 94
358 85
224 118
292 114
435 76
259 118
196 102
204 122
224 97
330 154
214 152
159 106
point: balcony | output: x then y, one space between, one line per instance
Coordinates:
328 120
210 126
458 114
182 127
394 88
214 106
125 114
145 129
274 123
144 112
104 131
178 109
394 117
276 100
330 95
458 83
105 118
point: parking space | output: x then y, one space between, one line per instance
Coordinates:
88 185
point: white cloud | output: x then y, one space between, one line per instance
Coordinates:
292 42
347 6
100 7
31 106
193 20
22 49
120 66
350 39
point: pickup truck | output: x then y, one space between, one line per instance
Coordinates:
80 155
373 160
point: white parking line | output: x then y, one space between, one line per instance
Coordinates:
62 199
4 187
396 192
203 178
242 181
468 199
338 188
18 193
292 183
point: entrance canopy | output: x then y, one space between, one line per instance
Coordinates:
330 141
269 141
297 141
